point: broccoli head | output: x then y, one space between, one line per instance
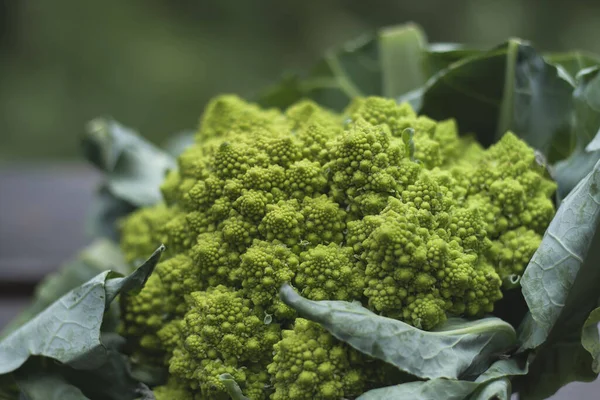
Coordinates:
376 204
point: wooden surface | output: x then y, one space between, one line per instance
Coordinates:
42 224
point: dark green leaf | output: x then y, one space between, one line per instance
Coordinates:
441 55
448 352
232 387
110 381
568 172
537 100
392 62
475 85
134 168
590 338
566 251
38 385
135 280
149 374
8 387
68 330
507 88
554 366
585 137
285 92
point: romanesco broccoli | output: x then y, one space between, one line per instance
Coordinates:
376 204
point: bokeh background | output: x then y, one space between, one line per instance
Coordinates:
153 65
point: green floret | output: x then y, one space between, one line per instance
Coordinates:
175 389
145 313
513 250
140 232
239 231
446 133
204 193
307 112
221 323
425 194
170 187
309 364
329 272
264 267
468 228
380 111
179 277
193 162
366 159
391 250
222 332
176 233
483 292
304 178
358 231
214 257
252 204
375 204
230 114
425 311
538 213
284 222
324 221
233 159
270 179
314 127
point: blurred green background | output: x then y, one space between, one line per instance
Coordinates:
153 64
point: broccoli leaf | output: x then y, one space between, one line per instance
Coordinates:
68 330
590 338
492 384
454 350
549 283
